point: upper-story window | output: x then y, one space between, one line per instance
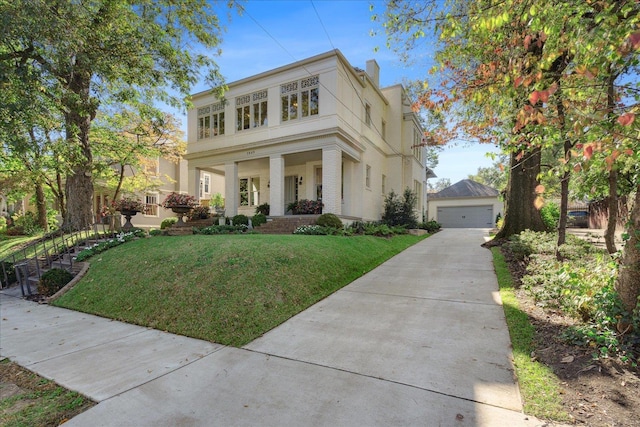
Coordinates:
251 110
367 177
367 114
418 149
300 98
211 120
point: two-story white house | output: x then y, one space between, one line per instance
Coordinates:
317 129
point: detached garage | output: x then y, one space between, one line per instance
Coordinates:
465 204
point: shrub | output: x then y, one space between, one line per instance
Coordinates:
313 230
199 212
550 215
28 223
220 229
430 226
53 280
176 199
217 201
400 211
154 232
329 220
263 209
582 285
240 220
375 229
3 224
305 207
129 204
529 242
258 219
168 222
11 273
52 219
357 227
103 246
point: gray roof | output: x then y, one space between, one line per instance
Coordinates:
465 189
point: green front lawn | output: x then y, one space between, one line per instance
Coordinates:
228 289
539 386
11 244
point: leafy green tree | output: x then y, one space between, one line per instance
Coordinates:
129 140
31 144
494 176
82 54
440 184
532 75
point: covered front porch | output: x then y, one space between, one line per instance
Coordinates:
327 174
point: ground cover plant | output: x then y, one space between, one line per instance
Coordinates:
228 289
30 400
580 332
109 243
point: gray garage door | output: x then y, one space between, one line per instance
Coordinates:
466 217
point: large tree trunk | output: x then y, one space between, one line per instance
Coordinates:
628 282
80 110
41 205
520 211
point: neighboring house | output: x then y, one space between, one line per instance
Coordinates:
167 177
317 129
466 204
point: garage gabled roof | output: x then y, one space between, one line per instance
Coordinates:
465 189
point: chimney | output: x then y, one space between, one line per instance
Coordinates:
373 70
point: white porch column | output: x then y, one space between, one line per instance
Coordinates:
348 205
193 183
231 190
332 180
276 179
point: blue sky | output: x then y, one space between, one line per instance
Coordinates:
275 33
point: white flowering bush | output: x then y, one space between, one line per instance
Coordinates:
97 248
316 230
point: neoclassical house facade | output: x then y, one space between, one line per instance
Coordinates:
317 129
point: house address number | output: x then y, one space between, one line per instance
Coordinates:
249 153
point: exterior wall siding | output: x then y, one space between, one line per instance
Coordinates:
338 140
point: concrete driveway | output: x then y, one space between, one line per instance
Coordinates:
420 340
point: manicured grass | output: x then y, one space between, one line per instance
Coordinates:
539 387
228 289
10 244
37 401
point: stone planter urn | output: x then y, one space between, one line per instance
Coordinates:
127 215
181 211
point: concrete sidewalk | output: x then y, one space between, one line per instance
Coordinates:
421 340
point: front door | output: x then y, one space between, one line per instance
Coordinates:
290 191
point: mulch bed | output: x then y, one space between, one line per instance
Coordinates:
602 392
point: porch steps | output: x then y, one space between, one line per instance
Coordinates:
286 224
